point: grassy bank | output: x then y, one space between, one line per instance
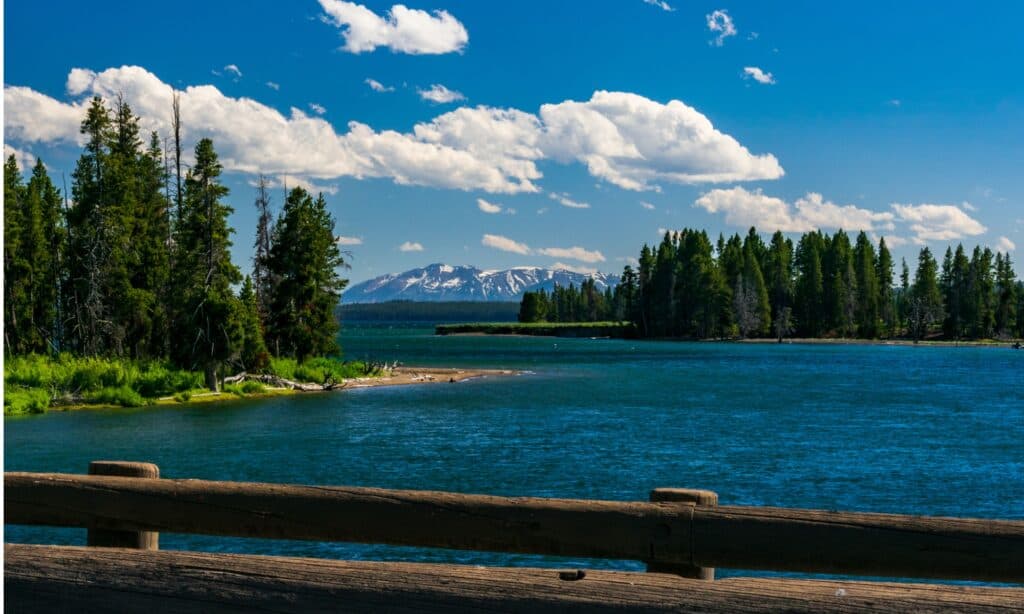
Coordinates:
619 330
34 384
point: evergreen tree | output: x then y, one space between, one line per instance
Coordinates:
207 324
304 259
625 296
810 306
886 296
750 297
865 266
925 306
17 268
780 282
264 283
531 308
1006 313
253 353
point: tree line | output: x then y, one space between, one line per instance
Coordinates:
138 265
822 286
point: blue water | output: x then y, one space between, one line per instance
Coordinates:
918 430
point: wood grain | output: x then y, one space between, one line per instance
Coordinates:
105 580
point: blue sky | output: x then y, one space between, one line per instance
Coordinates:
905 119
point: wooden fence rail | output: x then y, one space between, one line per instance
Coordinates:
661 533
108 580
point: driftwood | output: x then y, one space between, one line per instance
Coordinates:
662 533
280 382
105 580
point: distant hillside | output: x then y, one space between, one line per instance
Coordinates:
436 312
442 282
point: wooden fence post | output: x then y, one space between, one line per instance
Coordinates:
700 498
138 540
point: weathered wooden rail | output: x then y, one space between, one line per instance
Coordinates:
681 532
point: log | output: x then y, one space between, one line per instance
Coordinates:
61 578
677 533
142 540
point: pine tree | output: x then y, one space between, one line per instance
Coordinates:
531 308
1006 313
253 354
42 245
886 296
925 307
810 286
264 283
17 268
780 282
304 258
865 266
206 327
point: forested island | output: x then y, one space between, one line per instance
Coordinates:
824 286
123 290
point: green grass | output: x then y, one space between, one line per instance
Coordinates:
34 383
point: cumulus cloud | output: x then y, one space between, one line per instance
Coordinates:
274 86
719 21
487 207
505 244
402 30
755 73
746 208
26 161
377 86
1004 244
661 4
440 94
317 108
622 138
564 200
573 253
634 142
410 246
931 222
890 240
348 241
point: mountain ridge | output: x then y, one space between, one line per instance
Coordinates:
444 282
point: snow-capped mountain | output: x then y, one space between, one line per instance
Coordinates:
442 282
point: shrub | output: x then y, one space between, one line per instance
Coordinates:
251 387
33 401
123 396
183 397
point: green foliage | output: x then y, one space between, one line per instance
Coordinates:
303 262
433 312
21 401
124 396
823 287
320 370
184 396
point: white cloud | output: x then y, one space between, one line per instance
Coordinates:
1004 244
931 222
287 182
968 206
574 253
575 268
402 30
487 207
895 102
745 208
542 211
647 205
891 241
661 4
564 200
622 138
377 86
26 161
410 246
505 244
274 86
755 73
630 260
720 21
634 142
233 70
440 94
317 108
349 240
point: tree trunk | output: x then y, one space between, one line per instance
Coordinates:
210 371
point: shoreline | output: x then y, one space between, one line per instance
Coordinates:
400 376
